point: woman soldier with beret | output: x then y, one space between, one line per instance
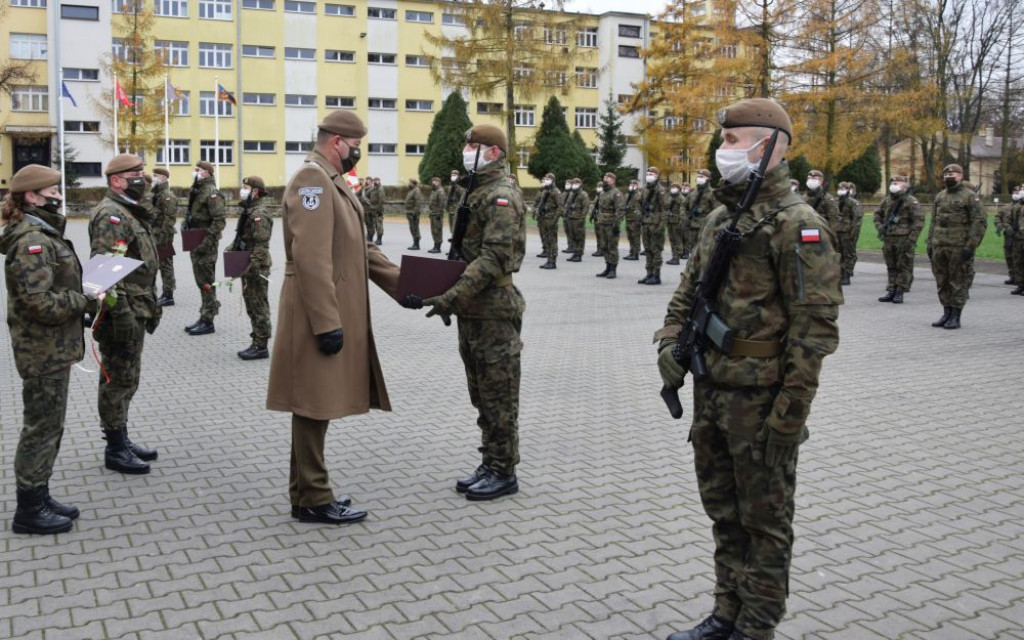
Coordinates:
45 309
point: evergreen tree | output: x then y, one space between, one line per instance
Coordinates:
612 144
446 140
865 171
716 141
799 167
553 148
70 172
586 169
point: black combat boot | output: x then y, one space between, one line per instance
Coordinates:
655 277
644 279
1009 281
492 485
598 254
611 271
415 246
436 249
576 257
632 256
369 236
946 312
550 264
258 351
379 239
142 453
542 254
845 281
1019 291
463 484
673 260
165 301
954 319
712 628
192 326
686 255
70 512
888 297
568 250
34 516
898 298
202 328
604 274
119 455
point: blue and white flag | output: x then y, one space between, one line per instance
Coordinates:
64 93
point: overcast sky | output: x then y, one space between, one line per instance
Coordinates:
652 7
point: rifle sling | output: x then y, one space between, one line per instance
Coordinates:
755 348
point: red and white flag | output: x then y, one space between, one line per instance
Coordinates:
121 96
810 235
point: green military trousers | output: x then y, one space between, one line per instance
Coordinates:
204 268
257 306
953 276
119 376
45 401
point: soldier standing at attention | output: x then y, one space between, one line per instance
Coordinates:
120 224
899 222
563 213
545 212
165 208
1002 218
958 225
206 210
849 228
515 184
652 212
750 411
634 230
364 200
675 210
490 310
255 225
577 207
609 209
436 205
701 203
414 203
1015 229
378 201
820 200
45 313
453 199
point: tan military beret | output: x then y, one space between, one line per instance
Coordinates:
632 181
756 112
704 172
611 175
676 185
793 182
549 176
344 123
654 170
953 168
456 172
205 166
815 174
435 179
33 178
160 171
488 134
149 179
413 181
899 178
122 163
579 181
255 182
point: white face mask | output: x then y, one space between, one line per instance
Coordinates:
895 188
470 157
575 187
733 163
813 184
455 178
651 178
196 175
244 193
792 188
1017 196
546 183
632 187
842 192
702 181
568 185
674 191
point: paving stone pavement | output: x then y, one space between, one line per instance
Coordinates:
909 507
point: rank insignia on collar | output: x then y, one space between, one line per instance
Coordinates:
810 235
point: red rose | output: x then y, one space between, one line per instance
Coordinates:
206 287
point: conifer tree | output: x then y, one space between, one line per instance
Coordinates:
586 169
865 171
446 140
553 147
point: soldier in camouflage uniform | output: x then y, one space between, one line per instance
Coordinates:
453 198
652 212
1014 228
849 227
165 211
701 203
436 206
610 207
899 222
781 298
490 312
121 224
675 212
45 309
414 205
634 230
255 225
377 203
820 200
364 199
577 206
545 212
206 210
958 225
1002 218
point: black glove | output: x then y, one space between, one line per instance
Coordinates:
412 301
125 328
929 253
966 255
331 342
152 324
92 304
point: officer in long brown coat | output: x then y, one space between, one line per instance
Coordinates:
324 364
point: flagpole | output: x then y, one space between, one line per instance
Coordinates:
167 124
216 129
60 141
115 114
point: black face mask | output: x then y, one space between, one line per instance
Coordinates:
52 205
136 188
349 163
606 186
950 182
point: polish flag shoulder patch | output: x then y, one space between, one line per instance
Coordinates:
114 220
501 202
810 235
33 249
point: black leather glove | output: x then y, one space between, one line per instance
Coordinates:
966 255
152 324
92 304
412 301
331 342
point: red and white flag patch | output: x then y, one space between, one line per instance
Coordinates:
810 235
501 202
35 249
114 220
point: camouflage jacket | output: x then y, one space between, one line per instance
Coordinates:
700 203
675 208
1014 221
206 210
577 205
453 197
782 286
114 223
825 205
654 201
849 214
909 220
414 202
494 246
44 294
546 206
437 202
632 205
165 211
957 219
255 233
610 204
376 199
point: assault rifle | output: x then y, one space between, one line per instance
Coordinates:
593 209
692 213
892 220
703 325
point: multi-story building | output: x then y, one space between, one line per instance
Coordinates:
287 62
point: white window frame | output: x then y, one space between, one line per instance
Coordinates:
586 77
298 146
382 104
524 158
334 102
253 99
299 6
587 37
377 57
208 102
215 55
37 98
215 9
586 118
78 126
416 149
415 60
350 58
175 52
302 54
258 5
555 35
259 146
629 29
381 13
328 11
75 75
525 115
419 105
300 100
180 152
170 8
629 48
418 16
226 151
257 51
29 4
453 19
382 149
29 46
183 104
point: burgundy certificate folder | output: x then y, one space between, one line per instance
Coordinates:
165 251
190 238
428 277
235 262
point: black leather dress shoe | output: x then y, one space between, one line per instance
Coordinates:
331 513
464 484
493 485
254 353
711 629
165 301
202 329
343 501
192 326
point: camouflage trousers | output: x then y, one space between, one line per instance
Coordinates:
204 269
371 223
899 263
1008 254
309 483
45 401
953 276
437 229
490 351
676 237
414 226
634 233
451 223
750 505
254 293
848 253
1017 268
654 245
378 224
576 234
692 234
122 362
548 227
608 241
565 229
167 276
